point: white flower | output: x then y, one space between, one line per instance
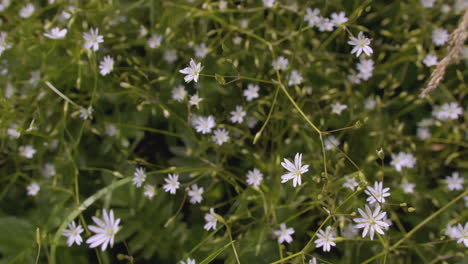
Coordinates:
430 60
139 177
56 33
462 234
170 55
350 182
111 130
254 177
354 78
339 18
295 78
423 133
365 68
350 231
3 44
427 3
331 142
238 115
371 221
195 100
440 36
172 183
35 78
369 103
295 170
150 191
251 92
454 182
204 125
402 160
325 25
426 122
201 50
284 233
13 132
33 188
451 231
195 194
222 5
361 44
86 113
188 261
220 136
67 13
407 186
154 41
27 151
312 16
280 64
73 234
449 111
4 4
106 65
192 72
325 239
337 108
237 40
92 39
27 11
268 3
211 220
48 170
179 93
251 121
377 193
104 231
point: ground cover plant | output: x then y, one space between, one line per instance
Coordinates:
249 131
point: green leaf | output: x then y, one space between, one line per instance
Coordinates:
216 253
16 240
220 79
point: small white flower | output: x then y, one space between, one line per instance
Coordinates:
86 113
325 239
195 194
370 103
254 177
339 18
361 44
150 191
440 36
251 92
211 220
295 78
67 13
312 16
462 234
192 72
426 122
3 44
451 231
403 160
13 132
33 188
337 108
27 151
222 5
251 121
106 65
201 50
454 182
104 231
284 233
92 39
220 136
466 200
170 55
354 78
407 186
195 100
269 3
142 32
295 170
365 68
73 234
179 93
27 11
450 111
172 183
423 133
4 4
280 64
238 115
56 33
154 41
325 25
377 193
430 60
111 130
204 125
331 142
371 221
48 170
35 78
427 3
350 231
139 177
188 261
350 182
